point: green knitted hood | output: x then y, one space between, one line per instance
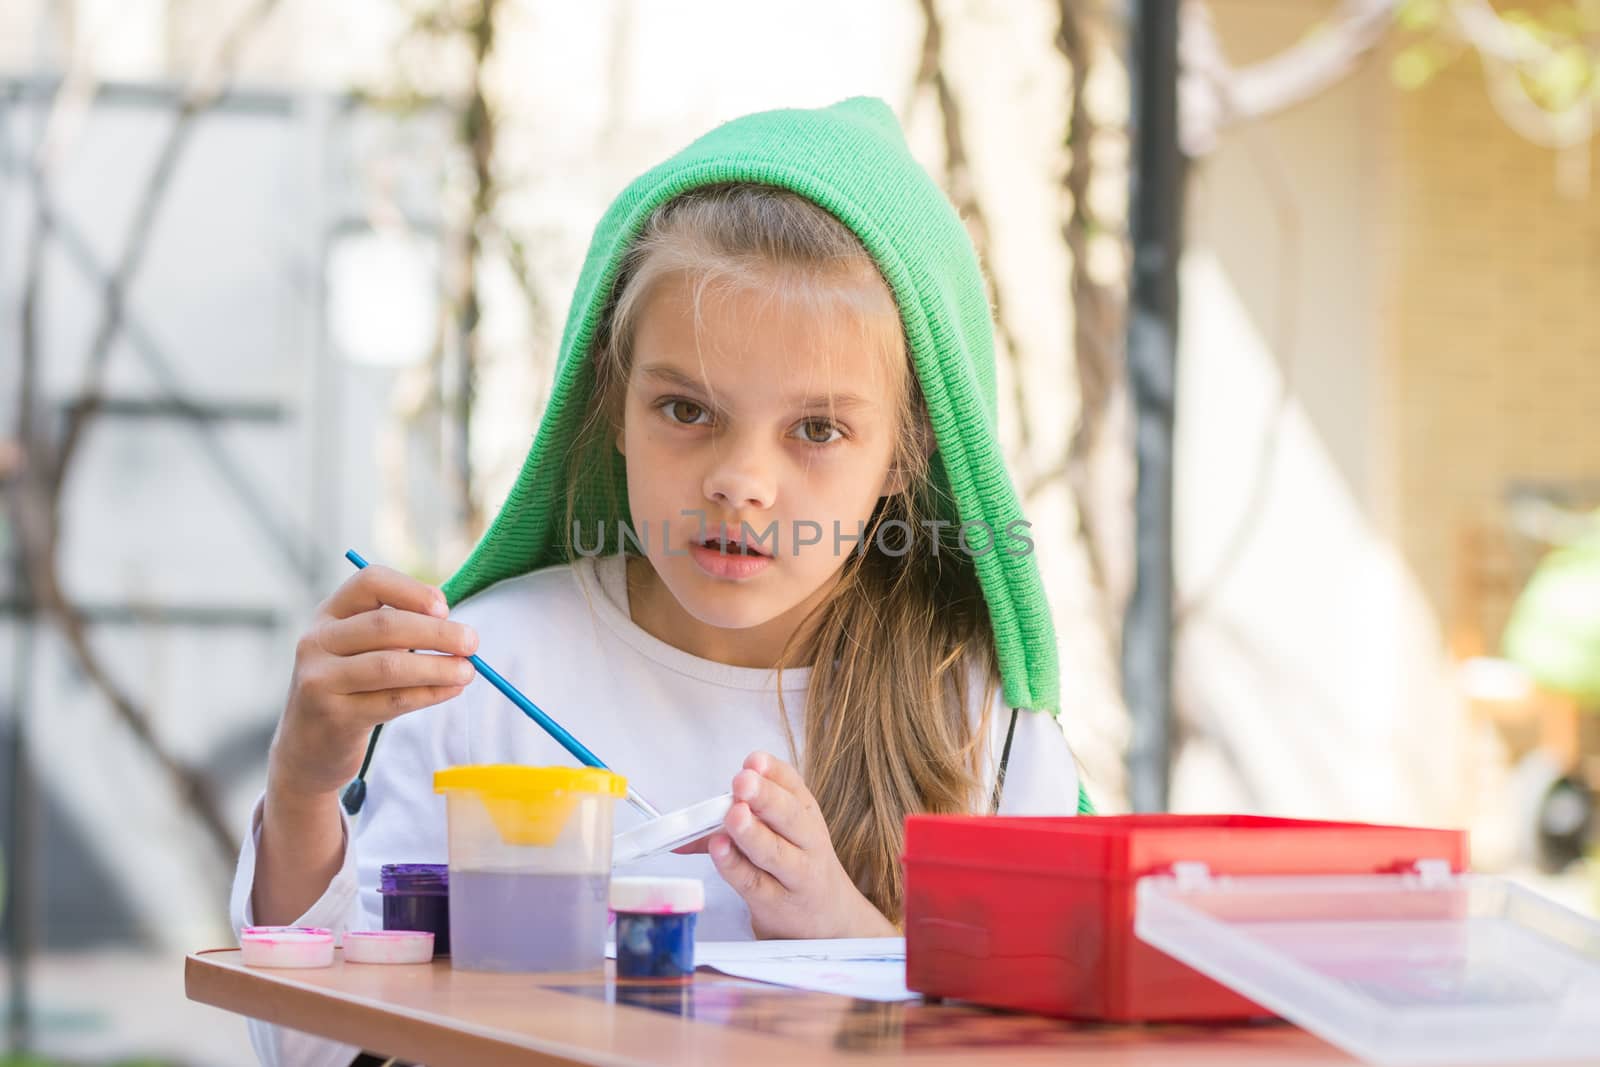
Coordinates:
851 159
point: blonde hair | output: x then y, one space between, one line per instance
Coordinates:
899 641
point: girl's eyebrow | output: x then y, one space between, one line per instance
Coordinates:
672 376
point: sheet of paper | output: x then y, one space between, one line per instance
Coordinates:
816 950
872 968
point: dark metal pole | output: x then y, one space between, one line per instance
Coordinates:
1156 223
21 905
22 867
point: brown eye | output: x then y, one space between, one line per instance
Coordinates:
819 432
684 412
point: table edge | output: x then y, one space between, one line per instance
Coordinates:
416 1036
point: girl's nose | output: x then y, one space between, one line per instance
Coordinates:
740 478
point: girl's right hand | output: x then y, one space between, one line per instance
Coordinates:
362 663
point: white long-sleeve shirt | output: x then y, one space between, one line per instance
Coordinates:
677 726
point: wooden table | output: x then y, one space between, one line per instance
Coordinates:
441 1017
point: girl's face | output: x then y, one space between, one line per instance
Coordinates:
774 415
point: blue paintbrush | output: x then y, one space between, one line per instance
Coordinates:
549 725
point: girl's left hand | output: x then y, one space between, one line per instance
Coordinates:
774 850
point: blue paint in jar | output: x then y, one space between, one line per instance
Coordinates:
655 926
416 896
655 946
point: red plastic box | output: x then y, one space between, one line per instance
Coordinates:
1037 913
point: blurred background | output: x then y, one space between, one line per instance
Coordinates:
279 278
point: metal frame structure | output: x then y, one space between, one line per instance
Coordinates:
172 402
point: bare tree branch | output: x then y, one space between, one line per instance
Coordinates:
195 103
1507 54
35 497
194 790
1215 95
478 134
1096 310
962 187
38 535
273 526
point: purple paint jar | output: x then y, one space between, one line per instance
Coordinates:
416 896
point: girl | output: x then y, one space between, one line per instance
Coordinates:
764 534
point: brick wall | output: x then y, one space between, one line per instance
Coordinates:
1493 322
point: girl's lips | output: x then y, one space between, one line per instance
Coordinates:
731 548
723 563
732 541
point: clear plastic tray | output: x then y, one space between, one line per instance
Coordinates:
670 831
1415 968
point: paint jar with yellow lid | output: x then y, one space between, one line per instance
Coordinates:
530 865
